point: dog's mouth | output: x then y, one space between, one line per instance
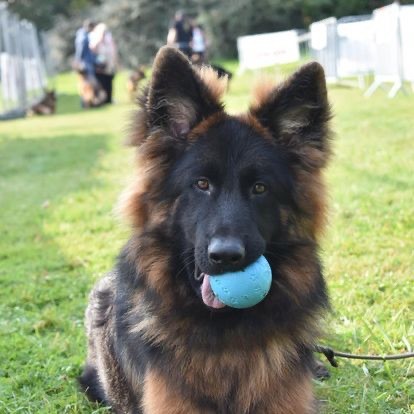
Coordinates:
206 292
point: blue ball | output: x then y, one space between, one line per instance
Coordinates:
244 288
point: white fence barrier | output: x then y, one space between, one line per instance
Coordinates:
381 44
407 41
324 46
394 47
356 47
263 50
22 71
344 47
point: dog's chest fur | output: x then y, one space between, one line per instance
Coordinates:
180 379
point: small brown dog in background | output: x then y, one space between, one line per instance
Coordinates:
46 106
133 81
91 92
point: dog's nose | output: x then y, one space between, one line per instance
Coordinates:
226 251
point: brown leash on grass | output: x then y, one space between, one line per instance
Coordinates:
330 355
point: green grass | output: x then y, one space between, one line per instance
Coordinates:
59 180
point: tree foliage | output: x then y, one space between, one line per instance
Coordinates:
140 26
44 13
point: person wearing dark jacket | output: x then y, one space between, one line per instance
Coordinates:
180 34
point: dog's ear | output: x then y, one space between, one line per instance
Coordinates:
297 114
179 96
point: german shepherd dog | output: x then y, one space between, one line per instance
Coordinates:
134 80
46 106
212 193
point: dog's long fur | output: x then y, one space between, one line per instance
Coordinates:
154 346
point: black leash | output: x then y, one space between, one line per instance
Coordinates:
330 355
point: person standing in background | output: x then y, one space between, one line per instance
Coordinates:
180 34
102 44
84 57
84 64
199 44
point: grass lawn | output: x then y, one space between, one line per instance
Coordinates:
59 180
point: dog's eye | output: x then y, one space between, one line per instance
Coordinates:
259 188
203 184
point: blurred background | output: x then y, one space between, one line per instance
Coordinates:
142 24
356 38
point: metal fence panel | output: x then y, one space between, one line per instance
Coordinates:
356 46
22 72
324 45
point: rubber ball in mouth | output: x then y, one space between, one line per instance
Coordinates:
244 288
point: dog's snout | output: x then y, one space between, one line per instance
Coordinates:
226 251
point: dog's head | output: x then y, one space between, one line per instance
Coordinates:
230 188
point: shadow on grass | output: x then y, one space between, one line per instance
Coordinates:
43 293
70 104
27 159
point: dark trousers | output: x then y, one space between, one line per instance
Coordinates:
186 50
106 83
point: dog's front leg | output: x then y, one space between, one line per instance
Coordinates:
160 398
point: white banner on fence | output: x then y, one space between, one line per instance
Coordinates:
386 42
259 51
319 33
356 48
